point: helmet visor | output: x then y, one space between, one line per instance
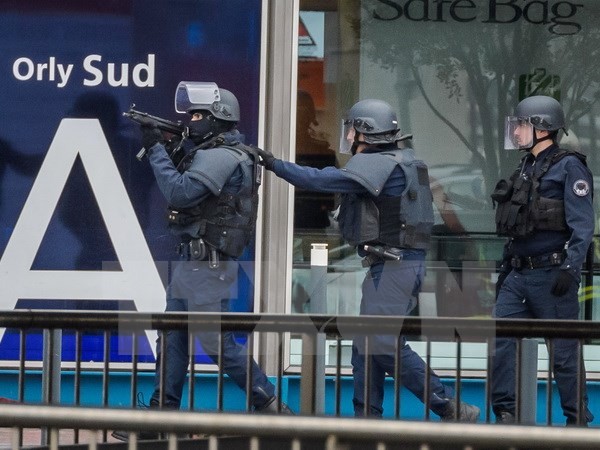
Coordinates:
518 133
193 95
347 134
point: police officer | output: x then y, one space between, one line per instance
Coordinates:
545 209
213 200
386 211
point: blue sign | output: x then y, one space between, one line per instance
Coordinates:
82 222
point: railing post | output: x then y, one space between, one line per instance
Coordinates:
52 350
312 383
589 282
528 395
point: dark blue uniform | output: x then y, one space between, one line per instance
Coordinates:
389 288
197 287
526 293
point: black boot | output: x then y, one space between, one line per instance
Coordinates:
270 407
122 435
142 435
505 418
464 413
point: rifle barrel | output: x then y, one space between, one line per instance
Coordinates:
162 124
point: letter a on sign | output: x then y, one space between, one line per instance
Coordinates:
139 279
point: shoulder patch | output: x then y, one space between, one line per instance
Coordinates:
581 188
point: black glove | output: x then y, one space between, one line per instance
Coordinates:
266 158
150 136
562 283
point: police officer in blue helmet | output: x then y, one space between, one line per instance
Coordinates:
386 211
213 200
545 209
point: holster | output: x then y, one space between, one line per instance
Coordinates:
195 249
370 259
377 254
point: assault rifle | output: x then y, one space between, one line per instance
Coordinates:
168 126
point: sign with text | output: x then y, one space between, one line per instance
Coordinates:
82 222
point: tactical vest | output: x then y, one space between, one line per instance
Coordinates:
403 221
520 209
226 220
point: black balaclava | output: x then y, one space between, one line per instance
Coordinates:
201 130
208 127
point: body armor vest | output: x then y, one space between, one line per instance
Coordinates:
226 221
401 221
520 207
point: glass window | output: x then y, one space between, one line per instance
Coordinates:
453 70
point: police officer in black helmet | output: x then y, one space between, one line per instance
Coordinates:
213 200
545 209
386 211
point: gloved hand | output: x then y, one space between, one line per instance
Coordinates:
562 283
266 158
150 136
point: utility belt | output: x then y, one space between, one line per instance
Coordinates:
181 218
537 262
381 253
198 250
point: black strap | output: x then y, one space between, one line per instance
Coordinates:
536 262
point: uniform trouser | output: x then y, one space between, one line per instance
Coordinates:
526 294
197 288
391 289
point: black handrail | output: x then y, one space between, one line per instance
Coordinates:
432 327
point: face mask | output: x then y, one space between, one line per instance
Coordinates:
200 130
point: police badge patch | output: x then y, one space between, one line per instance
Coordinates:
581 188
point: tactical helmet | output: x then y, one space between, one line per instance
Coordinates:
201 96
372 116
375 119
227 108
538 112
544 113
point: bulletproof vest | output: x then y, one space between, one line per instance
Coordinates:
402 221
225 220
521 209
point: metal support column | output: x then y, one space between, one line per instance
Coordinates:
312 383
528 395
52 350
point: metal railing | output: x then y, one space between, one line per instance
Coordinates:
457 330
334 431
